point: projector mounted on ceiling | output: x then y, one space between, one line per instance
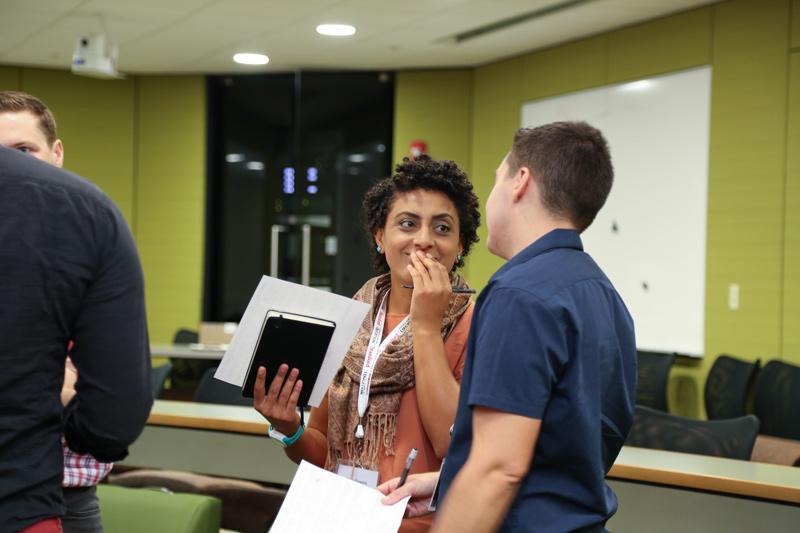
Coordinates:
93 57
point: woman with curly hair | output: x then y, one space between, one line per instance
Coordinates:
398 386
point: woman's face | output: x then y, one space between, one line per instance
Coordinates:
419 220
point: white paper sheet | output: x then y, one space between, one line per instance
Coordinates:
280 295
321 501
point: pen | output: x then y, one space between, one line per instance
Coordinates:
411 456
456 290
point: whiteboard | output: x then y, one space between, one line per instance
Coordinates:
650 237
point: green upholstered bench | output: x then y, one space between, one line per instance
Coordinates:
127 510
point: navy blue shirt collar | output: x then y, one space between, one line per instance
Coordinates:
558 238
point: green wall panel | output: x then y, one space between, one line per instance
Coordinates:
570 67
796 24
95 121
495 111
746 178
434 106
170 199
664 45
9 78
791 274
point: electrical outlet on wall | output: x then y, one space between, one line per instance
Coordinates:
733 296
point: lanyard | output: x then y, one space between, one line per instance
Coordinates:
374 351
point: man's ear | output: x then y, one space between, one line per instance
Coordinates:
523 179
58 153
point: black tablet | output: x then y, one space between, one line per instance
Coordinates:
297 340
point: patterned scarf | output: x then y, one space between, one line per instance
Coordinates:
393 374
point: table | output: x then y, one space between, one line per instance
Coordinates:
222 440
657 490
186 351
661 491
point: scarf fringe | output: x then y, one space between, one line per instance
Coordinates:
379 433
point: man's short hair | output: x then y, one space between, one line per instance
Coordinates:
572 165
17 102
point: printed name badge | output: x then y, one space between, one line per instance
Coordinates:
361 475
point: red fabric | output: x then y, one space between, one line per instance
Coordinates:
51 525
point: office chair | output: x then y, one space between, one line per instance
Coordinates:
732 438
185 336
727 386
652 378
159 375
776 400
211 390
187 372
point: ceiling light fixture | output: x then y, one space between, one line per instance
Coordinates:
336 30
251 59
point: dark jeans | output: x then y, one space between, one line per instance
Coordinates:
83 511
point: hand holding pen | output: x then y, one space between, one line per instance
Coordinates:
432 292
420 487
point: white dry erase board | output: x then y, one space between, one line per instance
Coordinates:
650 238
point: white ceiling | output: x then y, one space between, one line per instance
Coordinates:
201 36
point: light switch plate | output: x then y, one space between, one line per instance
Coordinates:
733 296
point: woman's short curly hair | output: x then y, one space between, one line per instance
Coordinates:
429 174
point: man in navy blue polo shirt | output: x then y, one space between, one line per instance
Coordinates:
547 394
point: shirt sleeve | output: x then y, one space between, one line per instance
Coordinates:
111 352
520 352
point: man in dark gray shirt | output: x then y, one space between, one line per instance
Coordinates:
69 270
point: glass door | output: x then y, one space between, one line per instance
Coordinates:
291 157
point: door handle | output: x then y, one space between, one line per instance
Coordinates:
275 233
305 273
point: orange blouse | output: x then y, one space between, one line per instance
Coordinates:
410 432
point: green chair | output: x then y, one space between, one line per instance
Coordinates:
127 510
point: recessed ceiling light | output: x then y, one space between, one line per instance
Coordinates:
251 59
336 30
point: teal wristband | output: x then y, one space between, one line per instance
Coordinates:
283 439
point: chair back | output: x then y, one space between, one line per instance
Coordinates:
159 375
211 390
727 386
652 378
732 438
185 336
776 400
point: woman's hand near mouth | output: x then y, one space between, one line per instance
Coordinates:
431 293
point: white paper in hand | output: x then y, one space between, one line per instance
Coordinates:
280 295
319 500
